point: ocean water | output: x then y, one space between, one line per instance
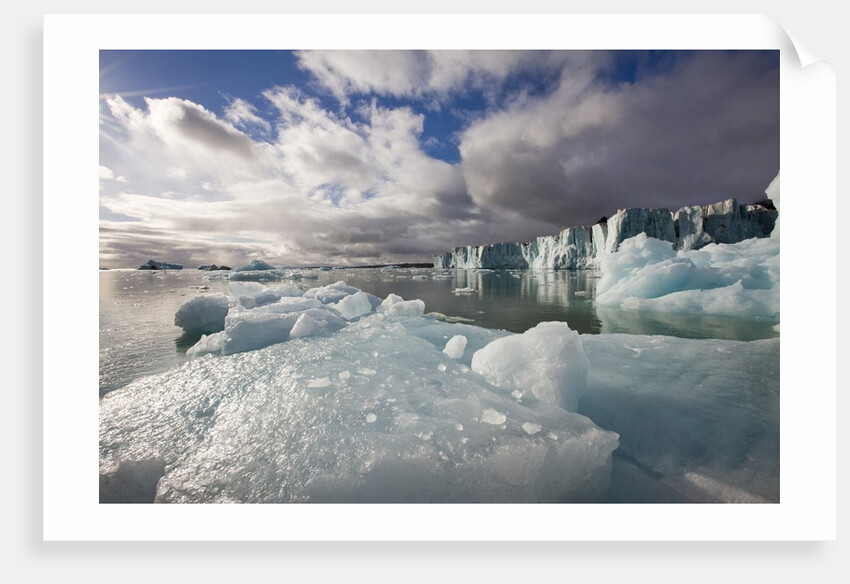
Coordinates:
697 420
138 336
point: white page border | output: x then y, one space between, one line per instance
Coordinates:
71 511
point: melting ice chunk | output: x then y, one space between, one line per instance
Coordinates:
531 428
455 347
407 308
492 417
203 314
355 305
389 301
546 362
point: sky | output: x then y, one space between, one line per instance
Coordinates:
374 157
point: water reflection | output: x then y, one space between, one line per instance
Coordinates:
186 341
513 300
693 326
138 335
516 300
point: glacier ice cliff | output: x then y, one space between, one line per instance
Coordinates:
688 228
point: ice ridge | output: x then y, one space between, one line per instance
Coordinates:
688 228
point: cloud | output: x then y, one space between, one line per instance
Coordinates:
431 74
326 186
558 140
242 114
703 130
106 174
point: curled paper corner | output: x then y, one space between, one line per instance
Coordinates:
805 56
789 42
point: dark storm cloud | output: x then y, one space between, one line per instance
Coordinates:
704 130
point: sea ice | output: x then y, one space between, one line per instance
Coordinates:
253 294
301 404
494 418
531 428
258 328
455 346
647 274
279 424
414 307
354 305
204 313
305 326
207 344
332 293
546 362
388 302
701 415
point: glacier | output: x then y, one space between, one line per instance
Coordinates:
688 228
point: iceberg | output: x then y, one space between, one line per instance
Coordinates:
154 265
688 228
374 411
254 266
213 268
204 313
740 280
257 271
252 316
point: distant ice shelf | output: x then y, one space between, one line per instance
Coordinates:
688 228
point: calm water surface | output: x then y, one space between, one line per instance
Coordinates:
138 336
